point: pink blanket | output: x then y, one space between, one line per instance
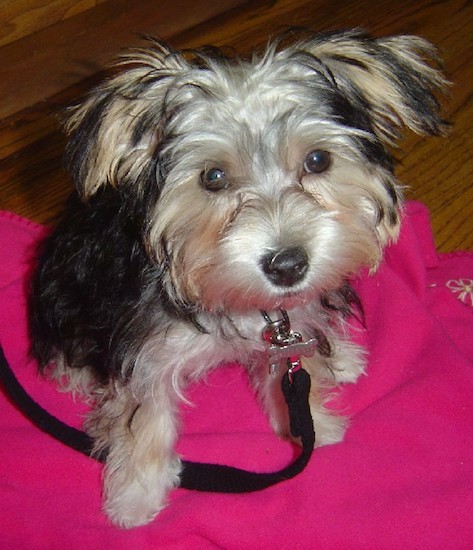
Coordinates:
403 477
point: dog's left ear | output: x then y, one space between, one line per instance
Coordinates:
396 78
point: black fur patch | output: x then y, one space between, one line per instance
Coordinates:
96 295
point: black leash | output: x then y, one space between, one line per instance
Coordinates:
196 475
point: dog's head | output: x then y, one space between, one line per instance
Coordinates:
258 183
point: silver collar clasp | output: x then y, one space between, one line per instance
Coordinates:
286 345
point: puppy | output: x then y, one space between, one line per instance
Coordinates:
209 190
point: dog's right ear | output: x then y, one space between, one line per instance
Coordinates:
114 132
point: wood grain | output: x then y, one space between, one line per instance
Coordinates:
60 55
437 171
20 18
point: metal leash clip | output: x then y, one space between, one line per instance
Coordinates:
285 344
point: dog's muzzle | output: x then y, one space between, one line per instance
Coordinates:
286 266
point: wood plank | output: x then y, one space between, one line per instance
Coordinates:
67 52
19 18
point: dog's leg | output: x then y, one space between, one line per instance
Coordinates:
347 363
329 427
268 389
141 466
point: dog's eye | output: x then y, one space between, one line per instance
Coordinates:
214 179
317 162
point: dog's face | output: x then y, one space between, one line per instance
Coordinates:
261 183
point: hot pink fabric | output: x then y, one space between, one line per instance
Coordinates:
403 477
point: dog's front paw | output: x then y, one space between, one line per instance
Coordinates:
329 428
134 500
348 363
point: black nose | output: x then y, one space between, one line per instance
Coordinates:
286 266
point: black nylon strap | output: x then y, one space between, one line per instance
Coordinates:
195 475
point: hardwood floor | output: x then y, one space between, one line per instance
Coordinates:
437 171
